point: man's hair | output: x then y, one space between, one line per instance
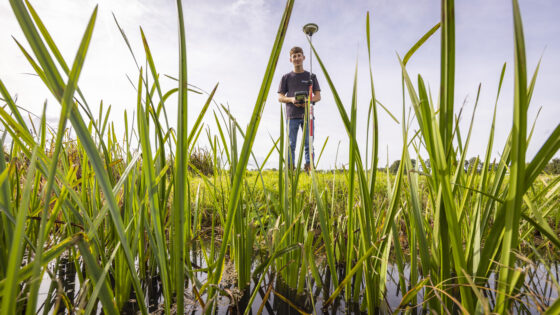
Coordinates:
296 50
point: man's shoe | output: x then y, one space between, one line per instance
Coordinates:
307 168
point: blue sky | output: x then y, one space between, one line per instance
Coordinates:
229 42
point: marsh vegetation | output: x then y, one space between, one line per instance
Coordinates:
154 223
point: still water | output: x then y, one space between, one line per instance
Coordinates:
274 297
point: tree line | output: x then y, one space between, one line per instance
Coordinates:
553 167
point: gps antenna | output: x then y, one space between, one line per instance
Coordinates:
309 29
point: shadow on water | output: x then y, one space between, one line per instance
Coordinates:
153 288
275 297
66 273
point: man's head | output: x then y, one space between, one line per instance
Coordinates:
297 57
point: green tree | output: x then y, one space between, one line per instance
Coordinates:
553 167
474 162
395 166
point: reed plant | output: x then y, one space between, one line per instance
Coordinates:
126 212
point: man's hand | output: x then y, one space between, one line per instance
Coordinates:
302 103
282 98
287 99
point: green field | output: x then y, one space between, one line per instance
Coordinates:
207 231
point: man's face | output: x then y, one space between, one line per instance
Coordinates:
297 59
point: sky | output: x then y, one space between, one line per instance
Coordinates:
229 42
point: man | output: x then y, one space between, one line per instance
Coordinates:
292 82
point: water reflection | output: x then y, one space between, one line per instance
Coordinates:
66 273
539 290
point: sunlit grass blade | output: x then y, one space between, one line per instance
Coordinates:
58 56
181 202
375 129
54 252
540 223
248 142
350 204
9 294
154 206
357 267
325 229
436 149
100 282
198 121
105 293
12 105
514 199
54 81
364 190
543 156
410 295
419 43
153 70
52 76
447 80
454 235
443 144
67 103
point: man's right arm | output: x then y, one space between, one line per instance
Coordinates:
282 98
283 90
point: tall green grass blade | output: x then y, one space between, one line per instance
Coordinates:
464 147
364 190
442 176
91 234
416 210
350 207
325 229
67 103
375 130
357 267
447 79
52 77
416 216
419 43
155 213
443 146
54 252
40 73
514 198
100 282
123 34
543 156
475 239
17 247
48 39
540 223
223 138
54 81
11 104
198 121
58 56
153 70
105 293
181 202
410 295
248 142
554 308
6 208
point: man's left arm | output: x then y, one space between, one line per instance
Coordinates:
316 90
316 96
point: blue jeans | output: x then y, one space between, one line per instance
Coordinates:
293 128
